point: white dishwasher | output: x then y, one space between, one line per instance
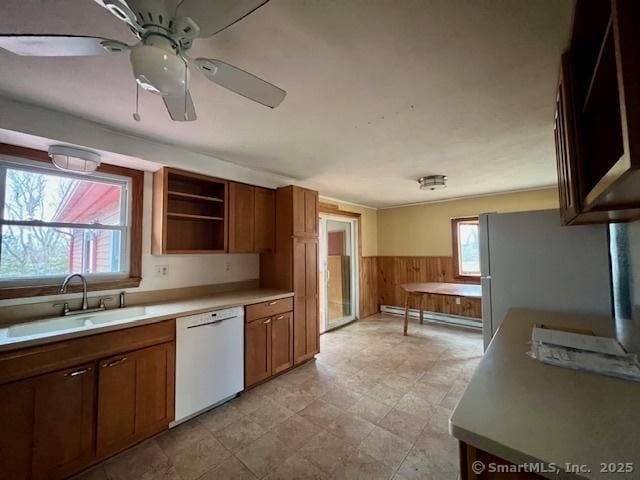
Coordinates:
209 360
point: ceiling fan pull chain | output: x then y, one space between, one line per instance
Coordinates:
186 72
136 116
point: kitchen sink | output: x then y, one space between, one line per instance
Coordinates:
45 326
73 322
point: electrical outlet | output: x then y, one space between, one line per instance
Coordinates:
162 270
227 266
458 301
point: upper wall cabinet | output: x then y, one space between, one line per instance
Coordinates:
189 213
305 212
251 219
597 120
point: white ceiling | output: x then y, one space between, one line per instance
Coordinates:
380 92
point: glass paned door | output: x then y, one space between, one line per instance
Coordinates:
338 267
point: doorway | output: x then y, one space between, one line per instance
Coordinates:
338 271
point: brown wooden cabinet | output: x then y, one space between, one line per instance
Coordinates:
251 219
268 340
597 124
241 218
305 288
57 425
49 422
294 265
257 340
189 213
264 220
305 211
135 396
281 342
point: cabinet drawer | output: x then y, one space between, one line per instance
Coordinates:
268 309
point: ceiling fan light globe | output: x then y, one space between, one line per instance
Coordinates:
157 70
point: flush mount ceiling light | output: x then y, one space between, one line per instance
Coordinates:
433 182
72 159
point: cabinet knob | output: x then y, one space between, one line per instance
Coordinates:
271 304
267 321
280 317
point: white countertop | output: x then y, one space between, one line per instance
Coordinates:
524 411
152 313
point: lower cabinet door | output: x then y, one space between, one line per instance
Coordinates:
48 426
63 426
16 435
281 342
257 361
135 396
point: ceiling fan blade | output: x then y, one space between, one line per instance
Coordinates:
213 17
60 45
241 82
176 107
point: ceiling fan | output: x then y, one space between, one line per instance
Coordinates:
166 30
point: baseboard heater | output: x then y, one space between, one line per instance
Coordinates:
435 317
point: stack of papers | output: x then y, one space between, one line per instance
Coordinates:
584 352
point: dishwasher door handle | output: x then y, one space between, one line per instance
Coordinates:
215 322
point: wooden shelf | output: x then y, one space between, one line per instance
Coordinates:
193 217
193 196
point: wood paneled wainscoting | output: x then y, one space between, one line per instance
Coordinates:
369 301
391 272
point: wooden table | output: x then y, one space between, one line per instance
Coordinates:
434 288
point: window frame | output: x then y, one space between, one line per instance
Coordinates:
455 222
24 157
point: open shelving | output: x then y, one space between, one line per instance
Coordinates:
191 213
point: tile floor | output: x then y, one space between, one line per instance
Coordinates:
373 405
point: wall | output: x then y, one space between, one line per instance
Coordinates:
425 230
183 270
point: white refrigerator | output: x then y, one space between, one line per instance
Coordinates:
530 260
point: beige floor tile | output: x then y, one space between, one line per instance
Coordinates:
249 401
415 405
341 397
321 413
350 428
295 431
239 434
439 443
326 451
297 468
421 464
230 469
270 414
220 417
361 466
196 458
386 394
142 461
385 447
432 393
370 409
439 421
264 455
403 424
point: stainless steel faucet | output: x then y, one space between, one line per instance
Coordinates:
63 289
85 303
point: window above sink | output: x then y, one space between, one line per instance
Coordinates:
54 223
